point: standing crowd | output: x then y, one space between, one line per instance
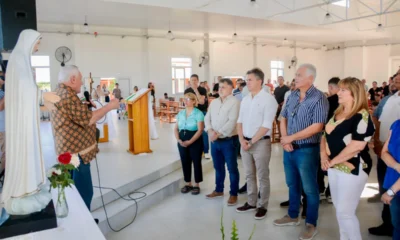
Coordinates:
320 136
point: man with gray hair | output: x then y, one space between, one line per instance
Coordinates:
302 122
74 126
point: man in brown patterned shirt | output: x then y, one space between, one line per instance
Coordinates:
74 126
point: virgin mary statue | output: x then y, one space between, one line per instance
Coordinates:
25 190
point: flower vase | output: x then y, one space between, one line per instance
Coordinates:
62 205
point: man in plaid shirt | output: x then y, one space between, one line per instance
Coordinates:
74 126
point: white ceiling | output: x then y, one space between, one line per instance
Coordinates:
221 18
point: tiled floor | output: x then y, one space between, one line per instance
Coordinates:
194 217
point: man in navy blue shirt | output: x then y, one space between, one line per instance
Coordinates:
302 122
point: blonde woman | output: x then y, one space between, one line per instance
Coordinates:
344 154
188 131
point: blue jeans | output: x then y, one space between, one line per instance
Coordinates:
395 211
83 182
206 143
225 152
301 169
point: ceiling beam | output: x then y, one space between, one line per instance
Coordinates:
394 1
303 8
288 8
361 17
365 5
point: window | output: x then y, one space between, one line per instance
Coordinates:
342 3
276 70
181 71
41 68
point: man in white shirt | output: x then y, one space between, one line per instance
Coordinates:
220 124
256 116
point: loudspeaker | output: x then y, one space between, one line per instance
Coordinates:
15 16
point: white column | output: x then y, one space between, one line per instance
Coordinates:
145 60
255 52
206 67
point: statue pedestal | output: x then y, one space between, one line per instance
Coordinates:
34 222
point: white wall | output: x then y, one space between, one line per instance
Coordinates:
144 60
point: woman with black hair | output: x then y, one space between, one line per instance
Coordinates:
88 101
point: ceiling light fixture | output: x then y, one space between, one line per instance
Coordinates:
254 4
380 28
170 35
327 18
235 36
285 42
86 26
324 48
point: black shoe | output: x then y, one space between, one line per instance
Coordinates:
381 230
285 204
243 189
260 214
97 221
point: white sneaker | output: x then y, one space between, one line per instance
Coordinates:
207 156
322 196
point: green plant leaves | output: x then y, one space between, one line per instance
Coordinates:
235 235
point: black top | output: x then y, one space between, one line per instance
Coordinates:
359 128
386 90
333 105
280 93
215 95
372 92
203 92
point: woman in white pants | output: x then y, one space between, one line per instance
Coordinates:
344 154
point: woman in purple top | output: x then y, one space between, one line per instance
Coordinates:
391 156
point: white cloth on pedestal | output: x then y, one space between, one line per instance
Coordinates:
152 125
25 172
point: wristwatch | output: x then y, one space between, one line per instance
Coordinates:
390 192
250 143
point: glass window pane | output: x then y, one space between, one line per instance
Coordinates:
173 72
280 72
179 73
173 86
274 74
280 64
181 85
40 61
188 72
181 62
274 64
42 74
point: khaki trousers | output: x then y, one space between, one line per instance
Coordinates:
256 164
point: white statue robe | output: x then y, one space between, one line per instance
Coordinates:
25 177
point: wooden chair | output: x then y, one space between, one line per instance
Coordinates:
275 133
168 110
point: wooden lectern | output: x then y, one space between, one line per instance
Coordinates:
138 122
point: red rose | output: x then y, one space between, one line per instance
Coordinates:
65 158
